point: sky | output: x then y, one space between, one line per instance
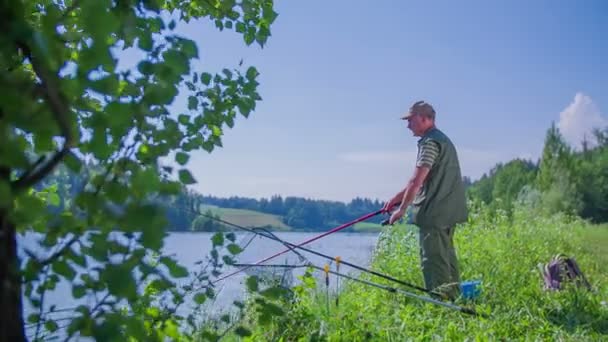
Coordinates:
335 76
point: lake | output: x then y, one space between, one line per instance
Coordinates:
188 248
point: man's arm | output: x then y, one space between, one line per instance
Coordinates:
410 191
429 151
414 186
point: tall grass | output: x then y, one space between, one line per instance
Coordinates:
502 252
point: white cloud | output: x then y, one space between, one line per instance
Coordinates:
578 120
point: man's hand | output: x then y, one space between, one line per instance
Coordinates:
388 206
396 215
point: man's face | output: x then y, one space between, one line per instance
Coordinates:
416 124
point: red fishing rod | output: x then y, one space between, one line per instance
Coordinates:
346 225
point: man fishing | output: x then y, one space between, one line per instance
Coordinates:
437 196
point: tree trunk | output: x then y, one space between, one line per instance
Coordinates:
11 306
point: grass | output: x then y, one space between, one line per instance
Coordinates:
502 253
248 218
366 227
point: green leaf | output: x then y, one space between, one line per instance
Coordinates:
252 73
249 36
107 85
200 298
159 94
189 48
72 162
206 78
145 67
177 61
270 310
53 199
217 239
145 42
152 236
192 102
33 318
240 27
242 331
252 283
175 270
61 267
274 292
145 180
210 293
228 73
119 280
228 260
79 291
5 194
234 249
186 177
182 158
183 119
216 131
50 325
230 236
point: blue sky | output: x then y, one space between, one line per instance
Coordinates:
336 76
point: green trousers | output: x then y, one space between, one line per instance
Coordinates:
439 262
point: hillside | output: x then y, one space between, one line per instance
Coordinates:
247 218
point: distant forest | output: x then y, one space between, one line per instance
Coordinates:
297 212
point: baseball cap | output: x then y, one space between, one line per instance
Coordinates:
420 108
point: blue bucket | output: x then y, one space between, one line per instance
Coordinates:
470 289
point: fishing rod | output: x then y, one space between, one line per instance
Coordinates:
331 231
384 287
272 236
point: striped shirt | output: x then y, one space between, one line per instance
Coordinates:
427 153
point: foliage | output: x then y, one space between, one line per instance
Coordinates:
555 161
501 252
503 185
564 180
65 102
207 223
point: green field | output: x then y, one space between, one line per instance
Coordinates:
367 227
502 253
247 218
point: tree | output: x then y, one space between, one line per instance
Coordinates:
555 160
510 180
63 102
206 223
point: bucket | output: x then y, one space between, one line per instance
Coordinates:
470 289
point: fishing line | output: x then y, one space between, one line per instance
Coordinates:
391 289
293 246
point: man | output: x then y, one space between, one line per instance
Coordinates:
437 196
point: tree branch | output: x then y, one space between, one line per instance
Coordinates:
59 108
60 252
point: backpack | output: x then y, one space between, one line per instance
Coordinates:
562 269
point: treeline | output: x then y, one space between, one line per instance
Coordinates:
183 211
297 212
564 179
